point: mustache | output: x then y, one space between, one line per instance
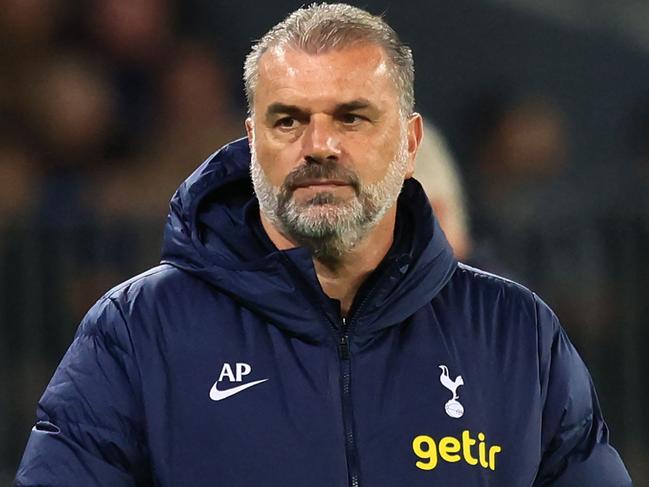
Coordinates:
320 169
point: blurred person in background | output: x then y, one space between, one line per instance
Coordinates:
71 114
522 185
440 177
194 114
28 31
133 38
296 330
520 150
438 174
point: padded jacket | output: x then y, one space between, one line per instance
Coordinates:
228 366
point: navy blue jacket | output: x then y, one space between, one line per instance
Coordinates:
228 366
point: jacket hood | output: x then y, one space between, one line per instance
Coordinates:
213 231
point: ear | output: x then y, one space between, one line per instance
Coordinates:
250 131
415 134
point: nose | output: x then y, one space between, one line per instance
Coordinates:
321 140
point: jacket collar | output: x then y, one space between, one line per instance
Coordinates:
213 232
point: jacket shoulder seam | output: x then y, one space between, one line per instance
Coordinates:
111 294
495 277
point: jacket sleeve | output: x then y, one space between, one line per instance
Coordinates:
88 430
576 448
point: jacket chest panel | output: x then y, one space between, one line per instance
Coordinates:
263 404
428 412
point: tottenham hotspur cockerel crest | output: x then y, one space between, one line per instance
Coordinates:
453 407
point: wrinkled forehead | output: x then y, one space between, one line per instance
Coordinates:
356 69
367 57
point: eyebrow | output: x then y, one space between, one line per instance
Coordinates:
359 104
282 108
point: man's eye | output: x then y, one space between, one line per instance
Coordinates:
351 119
286 123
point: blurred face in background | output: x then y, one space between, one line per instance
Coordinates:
529 140
193 88
330 146
72 105
132 30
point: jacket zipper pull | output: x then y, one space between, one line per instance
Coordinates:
343 344
343 347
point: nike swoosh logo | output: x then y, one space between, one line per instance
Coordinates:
217 395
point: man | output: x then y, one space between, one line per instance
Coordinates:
318 330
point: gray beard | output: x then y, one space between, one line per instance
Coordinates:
328 226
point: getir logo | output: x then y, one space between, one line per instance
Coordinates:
452 450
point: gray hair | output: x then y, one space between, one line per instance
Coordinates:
320 28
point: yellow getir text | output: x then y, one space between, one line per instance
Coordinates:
452 450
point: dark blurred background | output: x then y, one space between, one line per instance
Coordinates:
106 105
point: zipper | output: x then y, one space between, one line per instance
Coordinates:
346 371
344 355
348 417
342 334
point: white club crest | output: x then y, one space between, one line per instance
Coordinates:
453 407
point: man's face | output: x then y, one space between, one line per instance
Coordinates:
330 146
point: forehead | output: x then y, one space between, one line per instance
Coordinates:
290 75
